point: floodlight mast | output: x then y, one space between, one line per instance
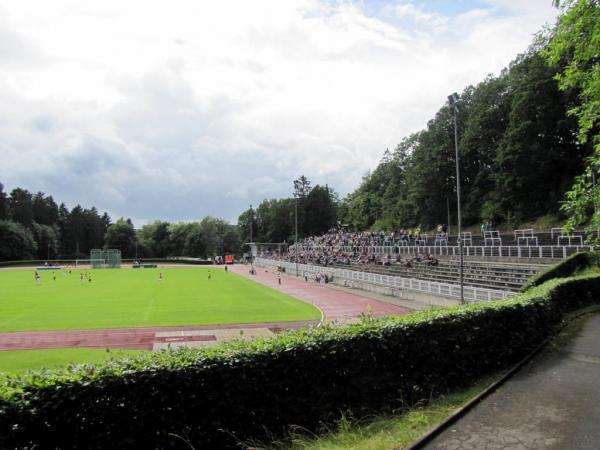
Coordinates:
251 221
453 101
296 239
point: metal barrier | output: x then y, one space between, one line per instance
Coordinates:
502 251
512 251
471 293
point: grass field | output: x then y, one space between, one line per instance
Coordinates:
135 298
19 361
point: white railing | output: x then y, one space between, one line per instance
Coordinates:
471 293
503 251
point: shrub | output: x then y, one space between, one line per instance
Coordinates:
566 268
214 397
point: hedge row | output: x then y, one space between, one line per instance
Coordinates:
214 397
566 268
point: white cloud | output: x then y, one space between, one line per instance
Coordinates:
180 109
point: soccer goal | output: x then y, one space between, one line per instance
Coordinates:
90 263
105 258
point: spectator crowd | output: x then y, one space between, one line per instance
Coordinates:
338 247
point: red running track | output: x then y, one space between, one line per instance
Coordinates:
336 305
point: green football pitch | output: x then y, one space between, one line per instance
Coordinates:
116 298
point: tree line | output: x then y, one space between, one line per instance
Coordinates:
274 220
528 141
528 146
34 226
518 150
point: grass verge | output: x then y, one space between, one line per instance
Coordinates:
386 431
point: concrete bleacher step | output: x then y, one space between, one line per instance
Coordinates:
492 275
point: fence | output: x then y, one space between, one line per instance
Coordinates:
471 293
507 251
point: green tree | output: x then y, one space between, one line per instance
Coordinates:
301 190
321 211
195 243
46 238
156 238
17 241
45 209
20 204
3 203
121 235
538 155
245 222
576 40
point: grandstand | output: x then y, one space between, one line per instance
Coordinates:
497 264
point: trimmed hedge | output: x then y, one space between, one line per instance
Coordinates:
566 268
214 397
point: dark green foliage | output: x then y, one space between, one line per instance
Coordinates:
20 206
3 203
121 235
243 390
566 268
518 150
274 219
320 210
16 241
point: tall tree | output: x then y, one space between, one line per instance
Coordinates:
45 209
321 213
576 41
16 241
46 238
156 237
301 191
20 206
3 203
121 235
538 154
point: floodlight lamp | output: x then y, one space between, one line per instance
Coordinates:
453 98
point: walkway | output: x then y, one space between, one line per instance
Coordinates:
552 403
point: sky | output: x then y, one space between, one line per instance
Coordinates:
182 109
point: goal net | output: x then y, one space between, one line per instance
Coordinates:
105 258
90 263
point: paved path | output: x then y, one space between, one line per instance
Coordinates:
337 305
552 403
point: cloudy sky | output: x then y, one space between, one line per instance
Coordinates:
180 109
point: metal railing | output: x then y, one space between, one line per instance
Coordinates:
506 251
471 293
502 251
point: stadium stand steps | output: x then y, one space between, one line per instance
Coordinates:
503 276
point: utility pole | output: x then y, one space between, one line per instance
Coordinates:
251 221
453 100
296 240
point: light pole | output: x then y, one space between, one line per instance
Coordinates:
595 204
251 221
453 100
296 239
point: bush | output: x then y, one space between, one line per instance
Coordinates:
214 397
566 268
